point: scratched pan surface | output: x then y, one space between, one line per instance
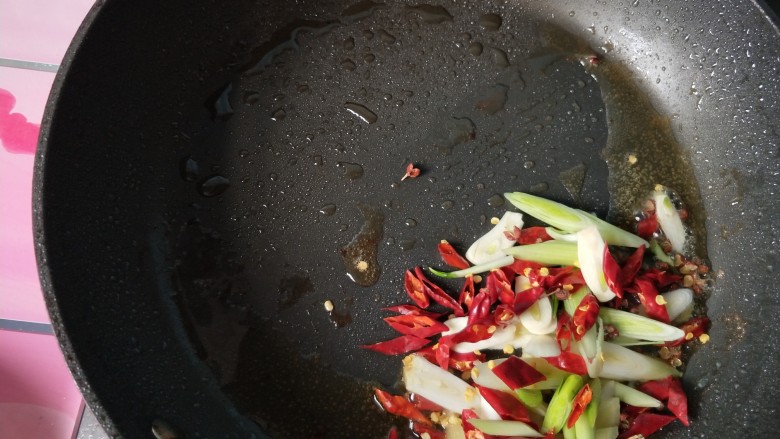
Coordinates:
208 175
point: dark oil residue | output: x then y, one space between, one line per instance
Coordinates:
360 255
292 289
635 127
573 179
431 14
450 132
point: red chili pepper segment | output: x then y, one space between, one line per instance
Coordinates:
437 294
669 391
421 326
400 406
413 311
569 362
646 424
452 257
585 316
632 265
581 400
647 294
505 404
416 290
516 373
525 299
399 345
612 273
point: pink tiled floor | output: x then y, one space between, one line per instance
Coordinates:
38 398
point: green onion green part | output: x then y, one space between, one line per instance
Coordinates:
546 253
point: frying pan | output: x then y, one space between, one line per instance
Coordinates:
206 170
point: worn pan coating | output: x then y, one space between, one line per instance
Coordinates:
204 167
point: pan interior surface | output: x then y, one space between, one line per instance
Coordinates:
198 202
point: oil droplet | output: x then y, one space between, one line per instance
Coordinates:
450 132
447 205
343 227
303 88
292 289
219 103
539 187
328 209
490 22
349 44
348 64
317 160
407 244
494 100
360 255
431 14
189 169
361 112
495 201
278 115
500 58
475 48
390 241
352 171
213 186
386 37
573 179
410 222
243 153
528 164
369 57
340 319
367 34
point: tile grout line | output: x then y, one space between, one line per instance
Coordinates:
29 65
26 327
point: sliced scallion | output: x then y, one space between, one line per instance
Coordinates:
546 253
639 327
476 269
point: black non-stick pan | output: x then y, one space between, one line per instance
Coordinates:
209 171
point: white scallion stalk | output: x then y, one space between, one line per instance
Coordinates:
539 318
490 246
546 253
669 220
542 346
454 430
590 252
679 304
639 327
628 341
456 324
505 428
626 365
571 220
634 397
499 339
475 269
443 388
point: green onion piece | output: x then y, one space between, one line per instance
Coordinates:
639 327
679 304
634 397
531 398
504 428
569 433
629 341
659 253
476 269
592 410
560 404
560 236
624 364
546 253
608 413
583 427
554 376
669 220
571 220
574 300
607 433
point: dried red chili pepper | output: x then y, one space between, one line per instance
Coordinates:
420 326
505 404
411 310
646 424
463 361
533 235
578 404
632 265
660 279
585 316
570 362
525 299
393 433
442 351
563 276
424 404
451 257
503 314
612 273
467 292
433 433
499 287
479 311
437 294
695 326
400 406
516 373
647 226
563 331
416 290
399 345
670 391
647 294
519 266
